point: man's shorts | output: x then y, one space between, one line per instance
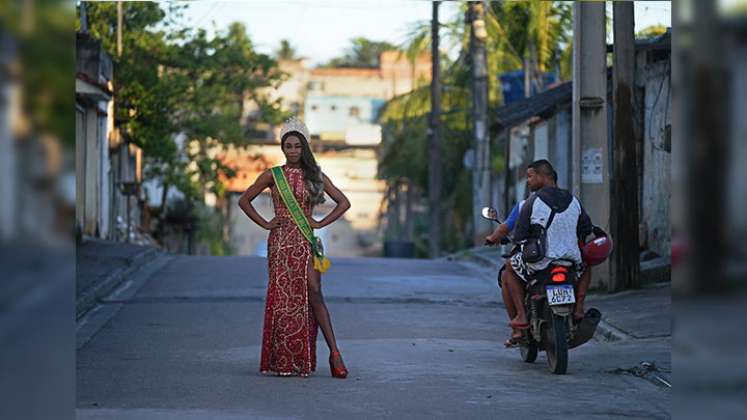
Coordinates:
527 270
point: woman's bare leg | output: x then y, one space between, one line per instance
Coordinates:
320 309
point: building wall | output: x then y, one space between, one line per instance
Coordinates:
94 183
330 117
80 165
91 175
349 82
105 191
96 189
657 157
395 76
293 90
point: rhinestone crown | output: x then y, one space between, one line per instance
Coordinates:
294 124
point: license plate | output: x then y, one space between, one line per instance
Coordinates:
560 295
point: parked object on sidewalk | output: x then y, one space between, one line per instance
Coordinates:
134 234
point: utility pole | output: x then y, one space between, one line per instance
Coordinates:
83 18
434 149
624 212
590 151
481 145
119 29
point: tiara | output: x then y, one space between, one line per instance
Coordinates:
294 124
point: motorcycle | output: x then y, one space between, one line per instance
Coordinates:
548 303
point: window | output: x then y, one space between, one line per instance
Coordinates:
354 111
314 107
333 107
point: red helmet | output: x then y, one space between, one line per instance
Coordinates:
598 249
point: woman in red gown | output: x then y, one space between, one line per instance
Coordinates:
294 305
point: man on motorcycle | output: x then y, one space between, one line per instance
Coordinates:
536 180
569 223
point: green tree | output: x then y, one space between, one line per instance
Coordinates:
147 95
363 52
286 51
172 82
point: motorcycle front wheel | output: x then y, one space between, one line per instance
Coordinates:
556 342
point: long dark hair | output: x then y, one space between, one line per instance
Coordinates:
311 170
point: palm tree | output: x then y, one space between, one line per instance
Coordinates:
286 51
534 36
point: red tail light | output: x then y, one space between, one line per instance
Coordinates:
559 278
559 274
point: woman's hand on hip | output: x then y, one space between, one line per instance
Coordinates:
314 224
272 224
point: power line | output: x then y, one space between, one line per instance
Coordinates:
209 12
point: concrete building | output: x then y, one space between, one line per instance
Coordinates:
93 125
291 93
344 118
343 103
396 75
103 161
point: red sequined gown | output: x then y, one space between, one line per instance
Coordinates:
290 329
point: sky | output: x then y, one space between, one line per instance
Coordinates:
321 29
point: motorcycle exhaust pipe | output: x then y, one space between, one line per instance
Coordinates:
586 328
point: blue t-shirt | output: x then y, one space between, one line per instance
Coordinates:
514 215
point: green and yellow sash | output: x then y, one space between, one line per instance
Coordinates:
321 262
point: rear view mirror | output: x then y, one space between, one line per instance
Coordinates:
490 213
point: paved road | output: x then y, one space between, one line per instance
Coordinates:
422 339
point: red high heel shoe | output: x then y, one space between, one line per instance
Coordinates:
340 372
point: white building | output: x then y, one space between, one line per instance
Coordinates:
103 161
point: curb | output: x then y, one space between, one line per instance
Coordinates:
475 258
485 261
95 319
89 298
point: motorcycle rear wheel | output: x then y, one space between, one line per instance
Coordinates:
556 342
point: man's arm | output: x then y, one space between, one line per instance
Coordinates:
499 233
584 225
505 228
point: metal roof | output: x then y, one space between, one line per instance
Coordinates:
540 104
